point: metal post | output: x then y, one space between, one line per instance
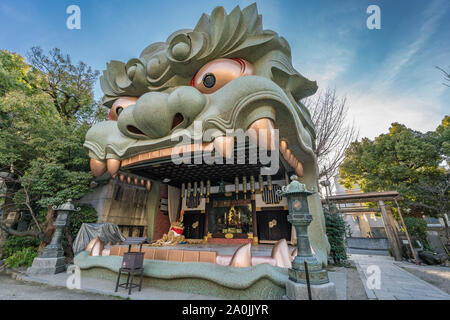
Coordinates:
308 285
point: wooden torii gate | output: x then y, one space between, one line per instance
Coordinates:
386 214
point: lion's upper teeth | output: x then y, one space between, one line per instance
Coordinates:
97 167
265 133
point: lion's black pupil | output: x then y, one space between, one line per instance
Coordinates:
119 110
209 80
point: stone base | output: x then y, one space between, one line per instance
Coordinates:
47 266
299 291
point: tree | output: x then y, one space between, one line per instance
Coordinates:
70 86
404 160
13 72
333 134
42 128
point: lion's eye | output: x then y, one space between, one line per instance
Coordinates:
217 73
209 80
119 105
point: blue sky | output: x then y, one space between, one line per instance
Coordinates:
387 75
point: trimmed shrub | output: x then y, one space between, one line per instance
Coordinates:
21 258
14 244
335 225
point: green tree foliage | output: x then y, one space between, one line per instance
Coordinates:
41 135
401 160
417 228
69 85
46 109
87 214
22 258
14 244
13 72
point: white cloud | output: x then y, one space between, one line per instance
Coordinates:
405 89
375 112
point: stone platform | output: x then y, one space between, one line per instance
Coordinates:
262 281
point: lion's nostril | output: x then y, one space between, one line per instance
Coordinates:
134 130
177 119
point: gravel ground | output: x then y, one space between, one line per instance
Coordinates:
437 276
11 289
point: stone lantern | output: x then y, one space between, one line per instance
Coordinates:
300 218
51 260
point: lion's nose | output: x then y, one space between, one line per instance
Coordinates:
156 114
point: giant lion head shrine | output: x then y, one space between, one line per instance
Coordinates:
205 130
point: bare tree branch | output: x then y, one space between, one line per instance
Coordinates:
333 133
446 76
8 230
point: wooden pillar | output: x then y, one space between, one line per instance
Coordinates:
391 232
416 261
205 231
254 223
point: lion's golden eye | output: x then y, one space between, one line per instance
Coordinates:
119 105
217 73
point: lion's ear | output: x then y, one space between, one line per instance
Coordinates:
292 81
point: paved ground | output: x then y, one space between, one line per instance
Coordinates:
368 252
11 289
396 283
106 287
399 281
355 287
339 277
435 275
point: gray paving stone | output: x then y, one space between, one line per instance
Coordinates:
396 283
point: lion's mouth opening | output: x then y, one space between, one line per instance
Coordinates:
191 166
160 164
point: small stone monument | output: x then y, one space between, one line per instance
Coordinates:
299 216
51 260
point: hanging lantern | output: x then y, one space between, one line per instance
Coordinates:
188 190
244 184
269 183
136 181
208 190
261 183
129 180
142 182
121 178
195 189
183 190
252 184
202 185
148 185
